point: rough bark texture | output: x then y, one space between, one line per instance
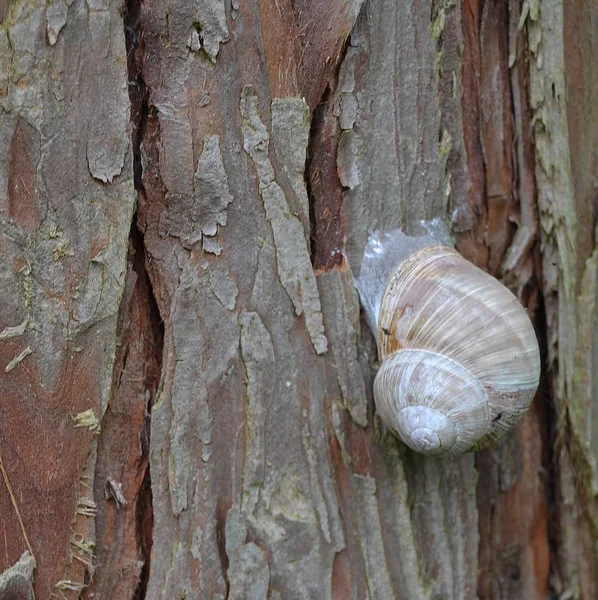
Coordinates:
186 406
564 88
67 200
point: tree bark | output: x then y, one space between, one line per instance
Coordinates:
186 191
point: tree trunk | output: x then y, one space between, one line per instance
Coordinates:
186 192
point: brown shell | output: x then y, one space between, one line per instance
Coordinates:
439 302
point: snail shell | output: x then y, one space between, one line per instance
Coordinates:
460 362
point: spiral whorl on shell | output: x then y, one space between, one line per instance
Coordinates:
459 357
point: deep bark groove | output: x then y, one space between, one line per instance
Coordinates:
137 87
138 95
323 185
549 423
514 547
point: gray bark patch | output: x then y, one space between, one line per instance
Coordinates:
17 581
290 133
107 139
370 534
211 26
212 195
56 15
195 217
292 254
248 574
258 357
248 571
341 307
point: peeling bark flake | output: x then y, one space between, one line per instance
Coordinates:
212 194
235 530
316 490
224 288
258 356
14 331
249 574
211 26
347 160
248 571
290 133
292 254
18 359
195 217
17 581
114 491
56 19
88 420
108 128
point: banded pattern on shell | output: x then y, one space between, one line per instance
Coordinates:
455 346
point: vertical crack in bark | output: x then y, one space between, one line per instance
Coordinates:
144 510
324 188
506 167
549 422
138 95
312 172
137 88
524 194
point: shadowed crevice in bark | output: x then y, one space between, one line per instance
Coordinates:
137 88
324 188
138 95
154 331
548 419
313 175
514 545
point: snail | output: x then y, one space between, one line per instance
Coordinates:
459 358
